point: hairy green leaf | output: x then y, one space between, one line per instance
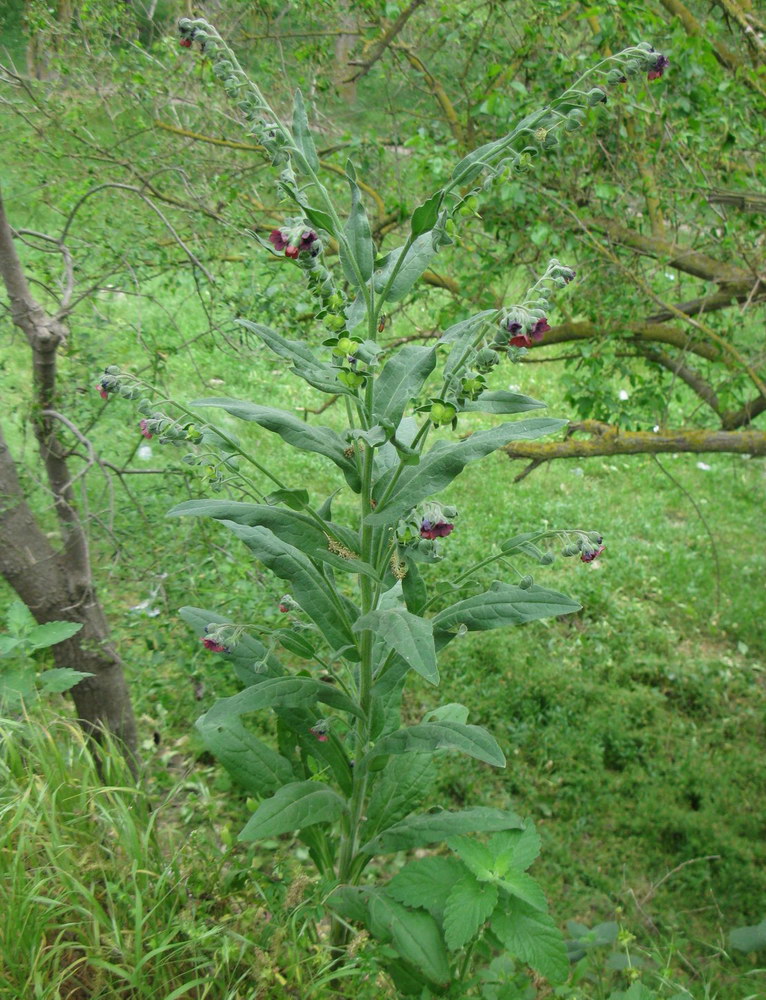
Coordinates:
426 882
409 635
293 430
502 401
359 239
304 362
434 827
533 937
504 604
294 806
424 217
445 461
302 133
281 692
468 906
253 765
400 380
430 736
415 935
418 257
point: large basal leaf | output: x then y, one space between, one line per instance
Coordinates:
302 133
419 256
293 430
309 588
358 238
426 882
400 380
414 934
468 906
398 789
409 635
430 736
445 461
304 362
253 765
502 401
294 528
438 826
504 604
281 692
299 804
748 939
533 937
250 658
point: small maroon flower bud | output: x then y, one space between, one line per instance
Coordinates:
284 608
292 252
102 392
658 67
213 646
144 426
590 554
435 529
186 43
320 730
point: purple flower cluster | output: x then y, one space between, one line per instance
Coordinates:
521 337
307 242
658 67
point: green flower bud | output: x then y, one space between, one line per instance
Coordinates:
335 322
547 558
350 379
335 301
596 96
571 550
442 413
526 582
346 346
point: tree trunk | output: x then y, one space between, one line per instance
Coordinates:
56 585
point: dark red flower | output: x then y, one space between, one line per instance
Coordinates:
659 66
439 529
213 646
102 391
186 43
277 239
144 425
292 252
308 239
284 608
520 340
591 554
541 327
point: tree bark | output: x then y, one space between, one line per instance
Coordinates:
56 585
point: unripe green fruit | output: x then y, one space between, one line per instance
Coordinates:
335 322
442 413
346 346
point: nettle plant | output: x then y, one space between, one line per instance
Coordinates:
346 776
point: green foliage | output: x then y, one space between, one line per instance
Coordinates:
18 680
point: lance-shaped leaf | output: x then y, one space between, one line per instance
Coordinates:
401 380
409 635
438 826
297 529
358 249
309 588
296 432
414 935
502 401
295 806
424 217
253 765
398 789
532 936
503 604
302 133
304 362
417 259
445 461
281 692
462 336
430 736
